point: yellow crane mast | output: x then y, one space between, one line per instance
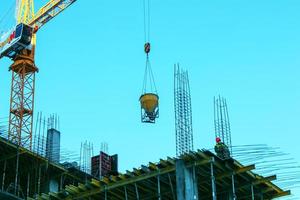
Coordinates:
20 47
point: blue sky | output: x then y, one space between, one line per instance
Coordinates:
91 63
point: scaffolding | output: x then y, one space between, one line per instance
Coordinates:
196 175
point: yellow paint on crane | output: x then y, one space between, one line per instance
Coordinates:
149 102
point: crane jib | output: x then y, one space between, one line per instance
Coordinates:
49 11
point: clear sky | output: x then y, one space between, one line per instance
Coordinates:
91 63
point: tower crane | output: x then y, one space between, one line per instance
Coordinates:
19 46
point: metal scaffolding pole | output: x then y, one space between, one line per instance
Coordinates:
3 176
233 187
39 180
28 185
137 192
252 192
196 194
213 180
158 188
17 171
61 182
125 191
171 186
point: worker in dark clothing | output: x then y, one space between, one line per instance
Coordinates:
222 149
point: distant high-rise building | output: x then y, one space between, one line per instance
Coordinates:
183 112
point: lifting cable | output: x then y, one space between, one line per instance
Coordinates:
148 83
6 14
147 20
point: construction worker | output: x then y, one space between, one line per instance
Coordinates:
221 149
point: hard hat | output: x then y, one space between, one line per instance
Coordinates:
218 139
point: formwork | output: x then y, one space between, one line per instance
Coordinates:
196 175
35 174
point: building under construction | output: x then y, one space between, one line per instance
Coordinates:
32 168
33 174
195 175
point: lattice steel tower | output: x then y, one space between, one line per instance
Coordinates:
183 112
221 121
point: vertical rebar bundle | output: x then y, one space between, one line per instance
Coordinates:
221 121
104 147
86 153
183 112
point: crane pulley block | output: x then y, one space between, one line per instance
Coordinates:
18 40
147 47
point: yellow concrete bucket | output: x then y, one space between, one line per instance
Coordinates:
149 102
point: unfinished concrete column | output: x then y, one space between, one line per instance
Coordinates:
186 182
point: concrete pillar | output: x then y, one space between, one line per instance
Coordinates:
53 145
186 182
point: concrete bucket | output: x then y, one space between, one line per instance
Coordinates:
149 102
